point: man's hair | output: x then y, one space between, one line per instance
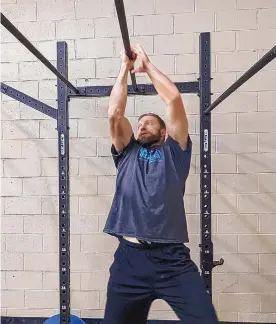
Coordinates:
160 120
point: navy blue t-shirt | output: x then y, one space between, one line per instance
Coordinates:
148 203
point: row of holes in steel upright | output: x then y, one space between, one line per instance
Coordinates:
63 206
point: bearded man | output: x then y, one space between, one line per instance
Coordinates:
148 213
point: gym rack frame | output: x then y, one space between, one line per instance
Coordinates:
66 91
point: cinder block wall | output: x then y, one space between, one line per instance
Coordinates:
243 146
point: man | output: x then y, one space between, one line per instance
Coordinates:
147 214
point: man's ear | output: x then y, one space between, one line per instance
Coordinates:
164 132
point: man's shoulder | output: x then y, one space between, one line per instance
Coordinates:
132 146
175 145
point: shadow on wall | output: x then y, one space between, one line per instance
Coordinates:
264 201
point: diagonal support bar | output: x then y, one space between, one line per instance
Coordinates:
120 8
29 101
23 40
143 89
267 58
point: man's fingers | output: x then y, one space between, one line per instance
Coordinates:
134 56
134 70
138 70
135 50
140 49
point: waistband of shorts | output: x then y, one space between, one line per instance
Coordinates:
143 245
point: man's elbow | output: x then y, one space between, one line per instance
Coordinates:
114 113
174 99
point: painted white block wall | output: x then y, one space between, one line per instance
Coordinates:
244 148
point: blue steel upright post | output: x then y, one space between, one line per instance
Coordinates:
206 245
64 201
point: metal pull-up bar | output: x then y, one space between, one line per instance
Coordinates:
267 58
120 8
22 39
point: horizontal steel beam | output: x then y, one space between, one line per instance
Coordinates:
267 58
24 41
143 89
29 101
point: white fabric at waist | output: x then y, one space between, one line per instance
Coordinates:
131 239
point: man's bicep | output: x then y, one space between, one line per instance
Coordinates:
181 157
177 125
120 131
179 131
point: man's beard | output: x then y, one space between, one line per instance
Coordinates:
149 140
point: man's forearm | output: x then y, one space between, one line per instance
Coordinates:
177 122
163 85
118 96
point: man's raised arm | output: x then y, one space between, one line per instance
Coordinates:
120 128
177 122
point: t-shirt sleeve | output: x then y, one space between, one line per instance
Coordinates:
182 158
118 156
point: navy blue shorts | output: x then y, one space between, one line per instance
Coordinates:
140 274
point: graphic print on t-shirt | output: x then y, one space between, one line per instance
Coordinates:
150 155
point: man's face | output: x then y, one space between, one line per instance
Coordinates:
149 131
